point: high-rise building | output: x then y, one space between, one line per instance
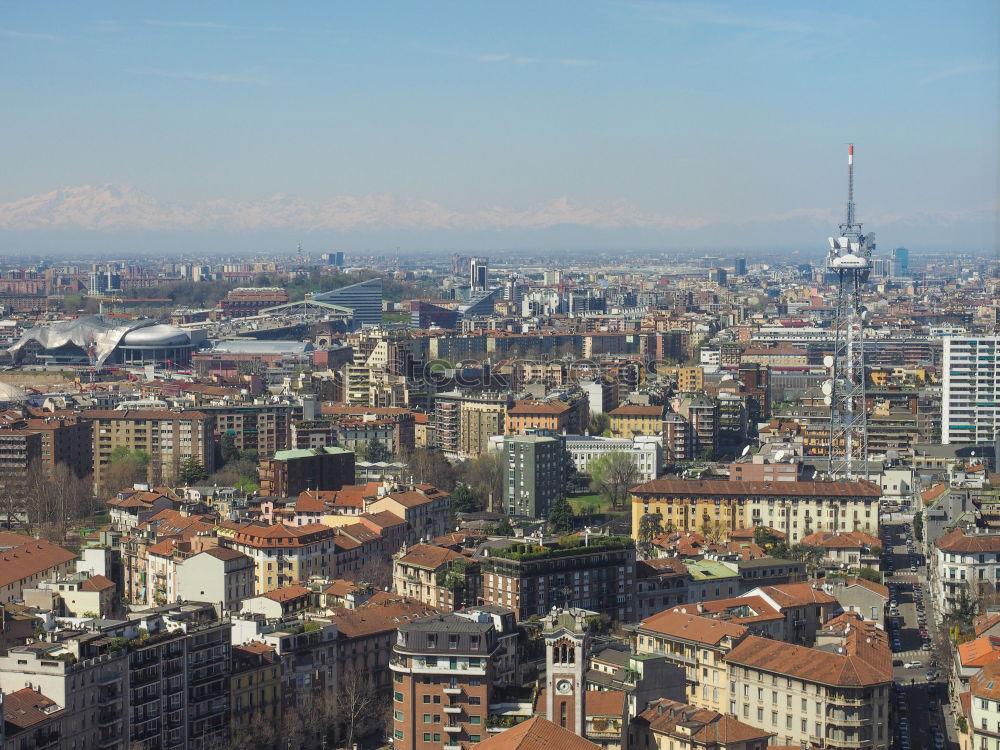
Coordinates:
718 275
970 400
478 271
899 267
536 473
364 298
443 672
740 267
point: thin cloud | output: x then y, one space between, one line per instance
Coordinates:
14 34
207 25
958 70
238 79
506 57
698 14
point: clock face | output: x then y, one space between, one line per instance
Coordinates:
564 686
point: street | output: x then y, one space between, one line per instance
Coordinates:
921 720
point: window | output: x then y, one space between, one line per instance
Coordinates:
475 719
397 733
398 697
427 698
397 715
474 738
427 736
427 718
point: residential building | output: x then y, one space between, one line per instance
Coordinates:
464 421
254 687
966 566
283 554
25 562
75 595
646 452
629 420
793 508
530 578
20 452
535 733
667 724
442 681
702 413
837 699
805 607
846 549
535 474
970 402
697 644
678 439
265 428
219 575
416 571
90 689
551 414
291 472
984 714
169 437
423 507
867 598
244 301
65 440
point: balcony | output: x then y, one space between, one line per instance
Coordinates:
452 691
453 728
452 746
453 709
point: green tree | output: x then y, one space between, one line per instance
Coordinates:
463 499
870 574
228 450
918 526
504 527
573 480
373 451
560 516
485 476
429 466
650 527
191 472
613 475
599 423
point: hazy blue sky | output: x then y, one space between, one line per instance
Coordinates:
498 123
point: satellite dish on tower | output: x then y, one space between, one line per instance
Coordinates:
745 450
828 360
827 387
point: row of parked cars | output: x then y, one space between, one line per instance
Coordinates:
903 720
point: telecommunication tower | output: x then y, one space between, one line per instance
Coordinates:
851 259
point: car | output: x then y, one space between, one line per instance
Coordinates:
913 664
893 603
926 647
897 662
930 675
932 704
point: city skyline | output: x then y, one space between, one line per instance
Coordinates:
601 125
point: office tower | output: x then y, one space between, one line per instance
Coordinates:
478 270
900 265
718 275
881 268
970 401
536 473
740 267
364 298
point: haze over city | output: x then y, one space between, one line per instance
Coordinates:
237 127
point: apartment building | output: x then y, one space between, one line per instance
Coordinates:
89 687
169 437
291 472
984 707
535 474
464 421
265 428
678 439
443 676
283 554
423 507
970 402
667 724
20 452
630 420
26 562
698 645
837 699
64 440
531 578
646 452
419 571
793 508
966 564
551 414
254 686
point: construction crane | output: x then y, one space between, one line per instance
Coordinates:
850 257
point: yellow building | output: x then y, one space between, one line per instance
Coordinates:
254 687
283 554
688 378
629 421
794 508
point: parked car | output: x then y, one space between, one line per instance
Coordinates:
913 664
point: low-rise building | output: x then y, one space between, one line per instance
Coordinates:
667 724
284 554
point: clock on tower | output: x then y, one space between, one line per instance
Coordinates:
566 650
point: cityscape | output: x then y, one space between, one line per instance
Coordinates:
500 425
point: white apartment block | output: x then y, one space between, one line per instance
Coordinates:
970 400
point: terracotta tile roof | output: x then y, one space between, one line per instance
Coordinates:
732 488
97 583
929 496
840 540
811 664
308 502
796 594
280 534
979 651
984 684
361 532
340 587
31 557
413 498
692 627
958 542
428 556
536 734
287 594
379 617
530 407
699 726
384 519
661 566
752 608
26 707
637 411
255 647
749 532
982 623
224 553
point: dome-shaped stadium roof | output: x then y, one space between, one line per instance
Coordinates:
11 393
158 335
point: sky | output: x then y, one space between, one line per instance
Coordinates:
451 125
